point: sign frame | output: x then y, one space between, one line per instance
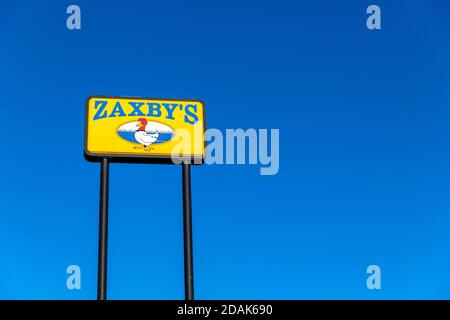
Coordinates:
144 159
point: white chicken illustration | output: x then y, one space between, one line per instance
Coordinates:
142 136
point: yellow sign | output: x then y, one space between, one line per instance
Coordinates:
125 127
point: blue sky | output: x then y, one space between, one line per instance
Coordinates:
364 149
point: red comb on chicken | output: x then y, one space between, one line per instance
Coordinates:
142 124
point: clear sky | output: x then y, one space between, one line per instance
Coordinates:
364 149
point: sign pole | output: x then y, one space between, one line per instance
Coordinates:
187 227
103 230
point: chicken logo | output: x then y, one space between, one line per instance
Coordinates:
145 133
142 136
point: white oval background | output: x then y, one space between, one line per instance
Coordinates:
151 127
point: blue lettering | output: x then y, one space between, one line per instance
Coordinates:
100 114
117 109
154 109
191 114
136 109
170 110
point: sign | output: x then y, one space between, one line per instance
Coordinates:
144 128
126 129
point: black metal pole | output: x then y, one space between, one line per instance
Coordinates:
103 230
187 227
